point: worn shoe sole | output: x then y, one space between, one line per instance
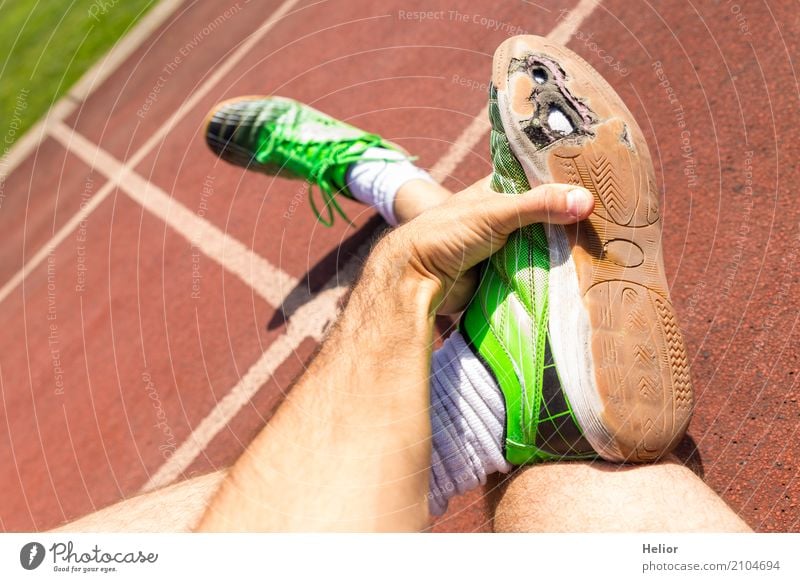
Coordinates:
614 335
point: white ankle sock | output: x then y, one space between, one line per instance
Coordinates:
468 416
468 412
376 179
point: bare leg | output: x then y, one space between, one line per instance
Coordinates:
179 507
417 196
176 508
552 497
601 497
594 496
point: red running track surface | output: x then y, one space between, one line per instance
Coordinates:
125 335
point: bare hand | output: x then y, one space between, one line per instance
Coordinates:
444 244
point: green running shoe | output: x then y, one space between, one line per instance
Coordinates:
275 135
575 322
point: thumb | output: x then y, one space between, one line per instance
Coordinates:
550 203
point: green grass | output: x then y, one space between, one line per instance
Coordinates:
46 45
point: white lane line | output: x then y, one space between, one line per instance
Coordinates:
309 321
313 318
271 283
568 25
66 105
86 85
464 144
475 131
58 238
126 46
441 170
219 73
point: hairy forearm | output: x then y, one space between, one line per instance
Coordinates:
350 447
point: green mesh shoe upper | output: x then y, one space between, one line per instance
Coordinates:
276 135
506 324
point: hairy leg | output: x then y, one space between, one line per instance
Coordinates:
553 497
602 497
179 507
417 196
349 449
176 508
